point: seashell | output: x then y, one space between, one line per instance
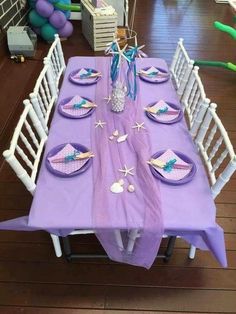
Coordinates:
122 138
115 133
131 188
116 188
111 137
121 182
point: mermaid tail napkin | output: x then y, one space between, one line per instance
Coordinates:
67 160
161 111
78 106
171 166
86 75
153 72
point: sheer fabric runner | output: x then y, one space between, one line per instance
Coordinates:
140 210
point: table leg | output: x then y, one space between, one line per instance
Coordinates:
67 247
170 248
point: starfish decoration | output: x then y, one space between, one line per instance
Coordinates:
108 99
100 124
120 52
139 51
138 126
127 171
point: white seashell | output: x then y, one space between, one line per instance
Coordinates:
111 137
122 138
115 133
116 188
131 188
121 182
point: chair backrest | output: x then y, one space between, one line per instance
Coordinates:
26 147
55 58
44 95
181 67
216 149
194 101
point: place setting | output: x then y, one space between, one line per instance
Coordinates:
68 160
164 112
154 75
76 107
85 76
172 167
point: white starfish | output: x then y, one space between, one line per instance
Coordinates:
138 126
100 124
108 99
120 52
127 171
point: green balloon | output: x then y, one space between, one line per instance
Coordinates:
48 32
36 20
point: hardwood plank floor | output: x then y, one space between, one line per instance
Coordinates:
33 280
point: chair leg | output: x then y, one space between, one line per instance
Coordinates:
56 245
192 252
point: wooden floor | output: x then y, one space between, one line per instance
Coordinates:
33 280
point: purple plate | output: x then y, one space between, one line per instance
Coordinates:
80 82
157 81
177 119
186 179
65 114
56 149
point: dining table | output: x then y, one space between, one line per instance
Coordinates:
63 204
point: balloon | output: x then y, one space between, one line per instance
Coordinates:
44 8
66 30
48 32
35 19
57 19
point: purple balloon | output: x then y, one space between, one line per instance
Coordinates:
57 19
44 8
66 30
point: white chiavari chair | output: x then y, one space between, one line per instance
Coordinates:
25 152
44 95
24 156
181 67
217 153
194 101
55 58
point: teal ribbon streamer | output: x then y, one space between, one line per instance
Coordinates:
131 74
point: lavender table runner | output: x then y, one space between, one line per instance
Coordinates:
111 156
64 204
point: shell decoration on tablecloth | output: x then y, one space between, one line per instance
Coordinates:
122 138
131 188
117 187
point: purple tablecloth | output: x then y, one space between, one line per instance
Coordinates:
66 204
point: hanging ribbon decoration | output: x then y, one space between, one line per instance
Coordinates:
131 73
130 55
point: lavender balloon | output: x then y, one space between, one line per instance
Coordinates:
66 30
57 19
44 8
